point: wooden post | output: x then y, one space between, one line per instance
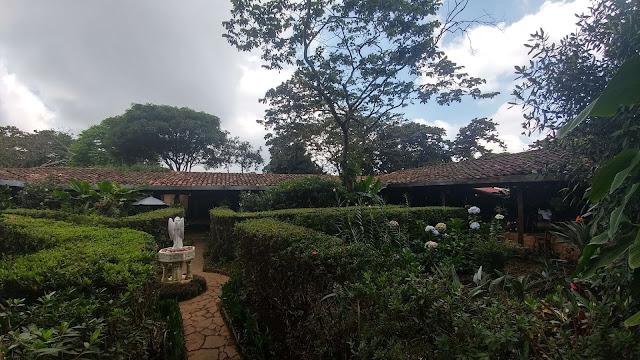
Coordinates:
520 205
443 198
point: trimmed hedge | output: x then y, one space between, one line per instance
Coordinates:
91 289
151 222
73 256
274 254
332 221
182 292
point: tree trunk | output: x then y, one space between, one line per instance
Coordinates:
346 172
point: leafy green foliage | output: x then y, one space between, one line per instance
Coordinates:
471 139
88 293
6 197
174 346
40 148
302 192
356 63
289 158
84 257
89 149
621 90
334 221
615 184
182 292
152 222
302 294
37 195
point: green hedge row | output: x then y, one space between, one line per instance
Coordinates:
72 256
274 254
151 222
77 290
332 221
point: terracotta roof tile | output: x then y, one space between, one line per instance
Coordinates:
487 168
152 179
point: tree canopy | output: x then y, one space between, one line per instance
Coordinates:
148 134
357 62
472 139
179 137
39 148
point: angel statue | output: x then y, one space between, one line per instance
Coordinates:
176 231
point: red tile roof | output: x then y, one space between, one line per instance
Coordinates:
493 169
148 179
489 170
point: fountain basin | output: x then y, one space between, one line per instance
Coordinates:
174 261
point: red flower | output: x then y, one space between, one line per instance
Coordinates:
314 253
579 219
573 286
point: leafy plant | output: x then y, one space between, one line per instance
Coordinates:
6 197
614 186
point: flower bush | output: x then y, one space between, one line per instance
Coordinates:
299 293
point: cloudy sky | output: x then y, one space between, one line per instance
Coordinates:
68 64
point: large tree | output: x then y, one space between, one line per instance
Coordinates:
410 145
247 157
354 60
289 156
89 148
562 78
473 139
179 137
39 148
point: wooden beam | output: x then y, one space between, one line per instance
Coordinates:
520 207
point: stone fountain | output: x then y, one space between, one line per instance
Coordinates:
176 258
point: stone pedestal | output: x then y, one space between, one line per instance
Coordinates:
173 261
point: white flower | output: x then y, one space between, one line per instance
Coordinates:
474 210
429 228
393 223
435 232
430 245
441 227
474 225
499 217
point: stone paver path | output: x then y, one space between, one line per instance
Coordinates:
206 334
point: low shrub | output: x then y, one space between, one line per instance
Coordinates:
186 291
151 222
348 222
83 257
86 292
303 294
274 255
302 192
71 324
174 344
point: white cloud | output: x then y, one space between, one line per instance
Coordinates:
492 52
450 130
509 120
19 106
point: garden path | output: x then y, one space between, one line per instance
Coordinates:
206 334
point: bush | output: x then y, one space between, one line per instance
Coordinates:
37 195
173 348
305 294
255 200
88 292
274 255
186 291
343 221
84 257
302 192
151 222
